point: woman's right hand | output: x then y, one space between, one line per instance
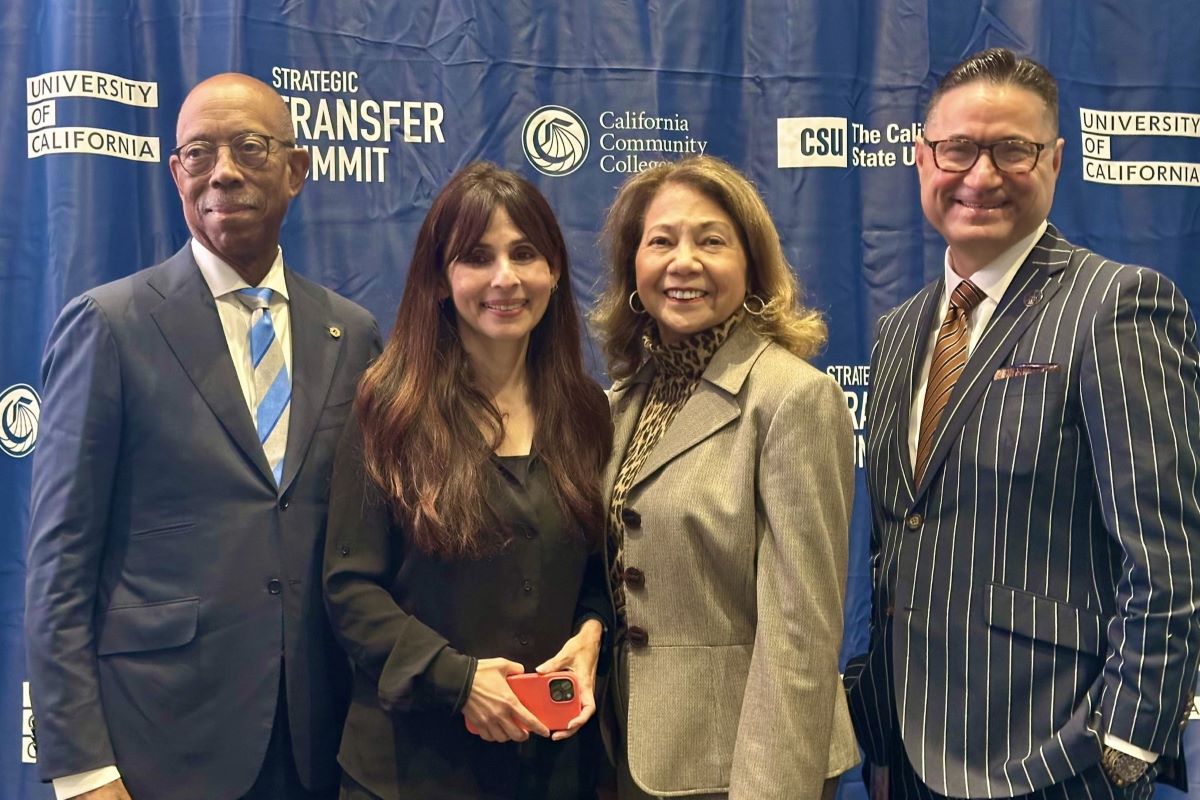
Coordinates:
492 708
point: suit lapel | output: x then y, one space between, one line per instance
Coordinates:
626 401
1033 285
315 353
188 320
914 328
713 404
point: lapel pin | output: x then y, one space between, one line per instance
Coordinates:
1033 298
335 331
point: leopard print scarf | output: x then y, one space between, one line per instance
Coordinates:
678 369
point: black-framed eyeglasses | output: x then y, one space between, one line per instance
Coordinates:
1014 156
250 150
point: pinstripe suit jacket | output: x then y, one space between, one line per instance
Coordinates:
744 509
1041 579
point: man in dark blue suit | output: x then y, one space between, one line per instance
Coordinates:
1032 464
177 641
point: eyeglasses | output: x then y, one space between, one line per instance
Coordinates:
1013 156
250 150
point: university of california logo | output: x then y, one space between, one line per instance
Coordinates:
555 140
20 408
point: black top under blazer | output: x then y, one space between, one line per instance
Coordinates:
415 625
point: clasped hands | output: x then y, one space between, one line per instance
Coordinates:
496 713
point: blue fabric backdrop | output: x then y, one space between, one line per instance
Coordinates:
817 101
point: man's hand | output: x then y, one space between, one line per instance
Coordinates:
109 791
578 655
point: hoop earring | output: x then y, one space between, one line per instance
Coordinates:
634 296
754 305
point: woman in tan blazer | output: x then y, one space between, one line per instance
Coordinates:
729 494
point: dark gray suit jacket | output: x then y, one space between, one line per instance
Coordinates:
169 579
1041 580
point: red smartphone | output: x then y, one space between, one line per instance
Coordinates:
553 698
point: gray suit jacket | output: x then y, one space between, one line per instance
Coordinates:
169 580
744 510
1041 579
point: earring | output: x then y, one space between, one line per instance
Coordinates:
640 308
554 287
754 305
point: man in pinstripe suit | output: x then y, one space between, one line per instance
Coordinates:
1032 464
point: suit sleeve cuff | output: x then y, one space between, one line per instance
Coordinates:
1129 749
80 782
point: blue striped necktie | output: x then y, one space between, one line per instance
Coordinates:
272 386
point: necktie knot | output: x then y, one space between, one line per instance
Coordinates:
964 297
255 297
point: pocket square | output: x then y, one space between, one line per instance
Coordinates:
1021 370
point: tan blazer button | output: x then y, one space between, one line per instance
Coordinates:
638 636
634 578
631 518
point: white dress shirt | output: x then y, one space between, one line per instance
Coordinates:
222 281
993 281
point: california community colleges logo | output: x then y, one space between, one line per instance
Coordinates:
20 408
28 728
555 140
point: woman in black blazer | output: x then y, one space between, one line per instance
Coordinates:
464 519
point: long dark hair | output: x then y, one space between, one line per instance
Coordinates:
420 408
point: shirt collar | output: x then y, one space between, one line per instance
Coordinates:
223 279
993 279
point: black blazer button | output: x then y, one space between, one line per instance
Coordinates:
634 578
638 636
914 522
284 503
274 586
631 518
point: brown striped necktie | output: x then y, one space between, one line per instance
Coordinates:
949 359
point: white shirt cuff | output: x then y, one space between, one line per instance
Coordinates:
1122 745
80 782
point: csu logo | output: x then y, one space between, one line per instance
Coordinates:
812 142
555 140
19 410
